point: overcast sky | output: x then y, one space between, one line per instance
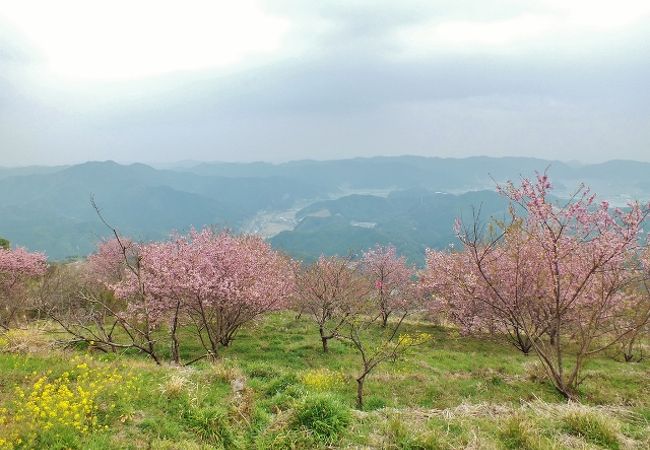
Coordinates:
162 81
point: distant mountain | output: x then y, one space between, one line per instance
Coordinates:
322 206
412 220
399 172
52 211
618 180
28 170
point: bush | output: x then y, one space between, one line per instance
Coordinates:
324 415
592 427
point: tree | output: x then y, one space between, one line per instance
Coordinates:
583 257
632 320
227 281
374 342
489 298
17 268
4 244
120 266
391 279
330 291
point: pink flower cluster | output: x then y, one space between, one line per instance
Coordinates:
17 265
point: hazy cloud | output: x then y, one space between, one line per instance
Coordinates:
554 79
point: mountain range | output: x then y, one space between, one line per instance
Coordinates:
304 207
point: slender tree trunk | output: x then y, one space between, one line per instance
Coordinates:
384 319
360 382
324 340
175 344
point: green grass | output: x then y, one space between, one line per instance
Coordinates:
452 392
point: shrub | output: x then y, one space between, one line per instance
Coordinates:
592 427
322 414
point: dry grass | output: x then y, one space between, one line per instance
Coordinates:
29 340
174 387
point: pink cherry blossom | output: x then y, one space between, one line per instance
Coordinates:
17 266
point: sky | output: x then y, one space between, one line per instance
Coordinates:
161 81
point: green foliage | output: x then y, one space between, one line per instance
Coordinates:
322 414
5 244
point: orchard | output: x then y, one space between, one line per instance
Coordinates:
249 348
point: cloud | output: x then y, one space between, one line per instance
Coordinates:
125 40
543 78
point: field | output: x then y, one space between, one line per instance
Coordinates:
274 388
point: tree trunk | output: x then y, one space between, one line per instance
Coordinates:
360 382
175 351
568 393
324 340
175 344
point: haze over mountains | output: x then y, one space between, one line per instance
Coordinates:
304 207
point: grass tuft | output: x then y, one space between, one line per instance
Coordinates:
324 415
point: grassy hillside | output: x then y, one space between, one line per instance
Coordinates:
273 388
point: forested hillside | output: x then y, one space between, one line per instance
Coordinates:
319 206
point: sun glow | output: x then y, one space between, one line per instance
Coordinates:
121 39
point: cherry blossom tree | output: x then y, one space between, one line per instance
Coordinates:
557 272
227 281
17 268
632 320
115 296
330 290
151 286
391 279
472 303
